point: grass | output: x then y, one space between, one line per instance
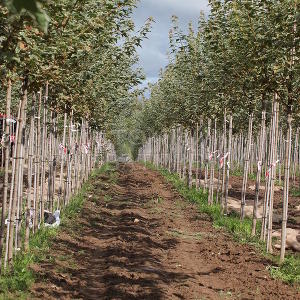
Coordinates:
107 198
295 192
238 172
19 279
288 272
185 235
15 282
157 200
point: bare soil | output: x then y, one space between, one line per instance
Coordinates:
294 202
236 183
136 238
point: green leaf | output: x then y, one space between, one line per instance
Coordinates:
30 5
43 20
33 7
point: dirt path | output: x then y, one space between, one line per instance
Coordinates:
137 239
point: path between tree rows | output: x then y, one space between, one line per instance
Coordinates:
136 238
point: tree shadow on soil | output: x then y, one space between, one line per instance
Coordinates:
112 256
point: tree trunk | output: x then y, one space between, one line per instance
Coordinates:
246 167
197 156
6 168
18 162
224 158
225 208
259 170
286 185
29 172
44 155
272 174
212 166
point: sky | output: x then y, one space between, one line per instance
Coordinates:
153 53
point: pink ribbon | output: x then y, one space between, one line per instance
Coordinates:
222 160
272 165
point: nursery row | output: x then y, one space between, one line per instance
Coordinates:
228 100
206 156
66 76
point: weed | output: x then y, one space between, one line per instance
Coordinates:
107 198
156 210
278 183
288 271
21 277
224 294
180 204
159 199
114 177
185 235
295 192
239 172
252 176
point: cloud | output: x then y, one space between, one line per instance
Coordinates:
183 6
153 54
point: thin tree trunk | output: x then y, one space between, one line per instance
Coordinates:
197 156
259 170
29 172
286 185
18 159
44 155
6 168
212 166
295 157
191 157
224 157
273 172
37 165
246 167
208 148
228 165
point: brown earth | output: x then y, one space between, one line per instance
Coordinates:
294 202
235 191
136 238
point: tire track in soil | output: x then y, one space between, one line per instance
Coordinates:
137 239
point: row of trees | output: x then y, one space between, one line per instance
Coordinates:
67 73
235 79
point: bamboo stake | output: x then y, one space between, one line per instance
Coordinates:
29 173
18 159
44 155
259 170
37 166
208 148
212 166
6 168
224 157
246 166
286 185
273 172
197 156
225 208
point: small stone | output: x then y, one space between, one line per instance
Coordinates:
136 220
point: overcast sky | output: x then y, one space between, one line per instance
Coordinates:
153 54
